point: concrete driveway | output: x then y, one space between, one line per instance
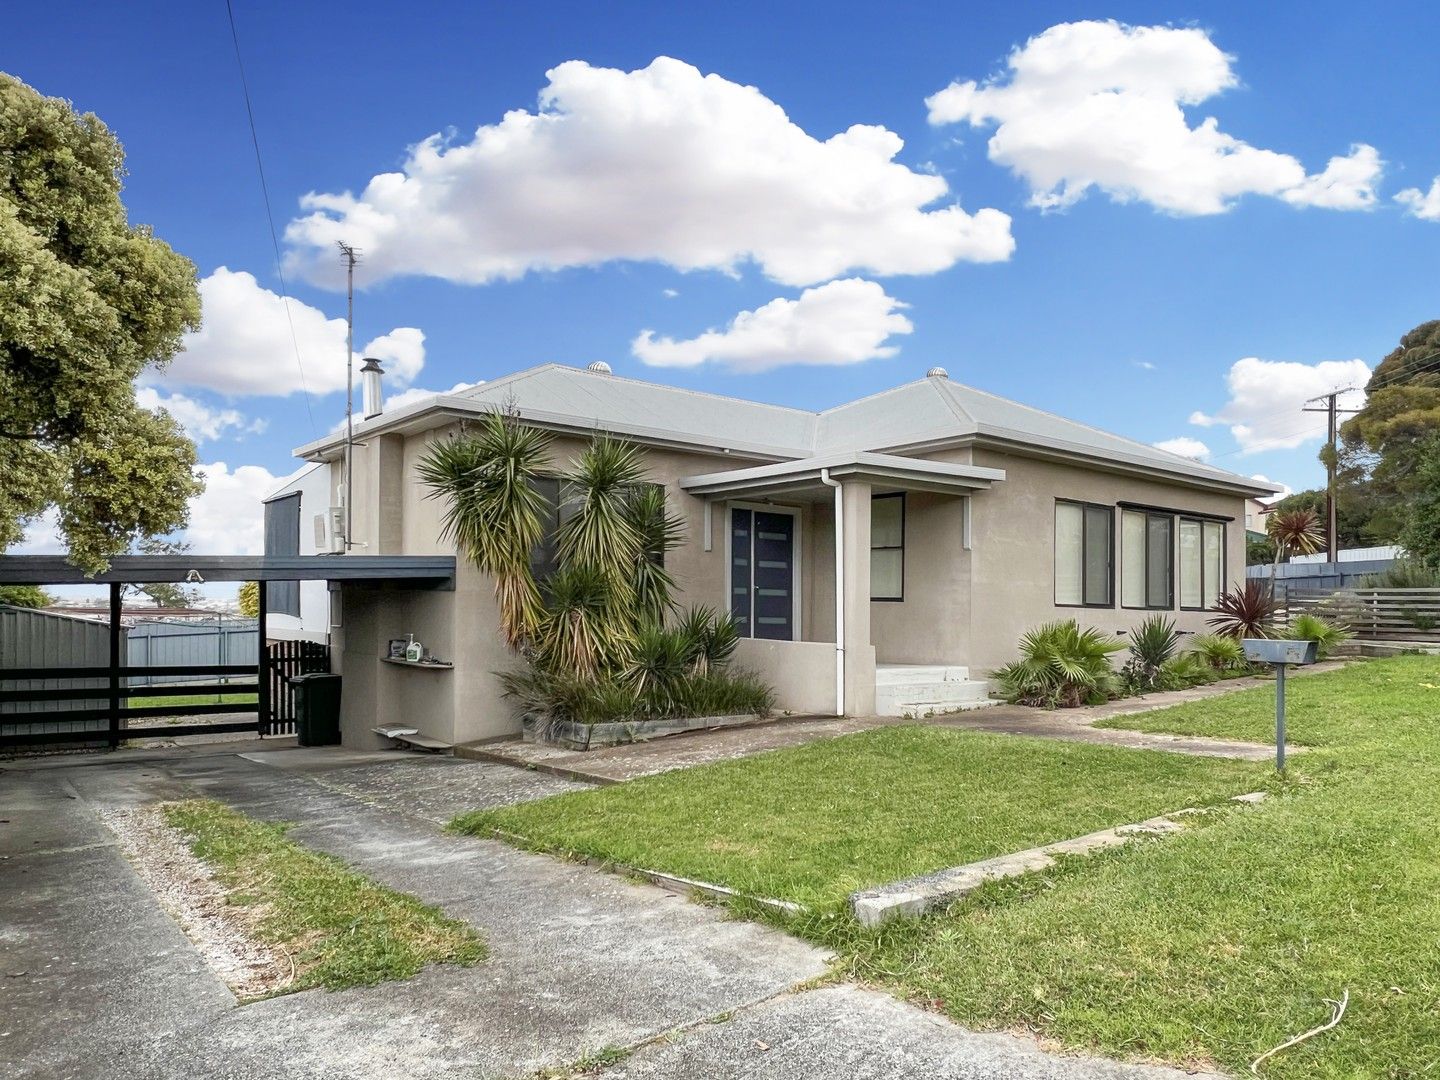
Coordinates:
96 980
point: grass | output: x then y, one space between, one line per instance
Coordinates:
813 823
1222 942
341 928
204 699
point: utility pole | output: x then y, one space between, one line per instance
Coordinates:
1333 410
350 256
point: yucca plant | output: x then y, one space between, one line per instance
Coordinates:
1246 611
1295 532
494 512
660 532
659 660
1221 652
1060 665
1152 643
711 638
1327 636
600 530
581 630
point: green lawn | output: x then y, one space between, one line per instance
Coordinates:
203 699
341 928
814 823
1222 942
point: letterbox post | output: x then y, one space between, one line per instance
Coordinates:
1280 718
1279 654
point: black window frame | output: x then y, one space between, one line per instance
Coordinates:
1109 511
889 547
1202 521
1172 592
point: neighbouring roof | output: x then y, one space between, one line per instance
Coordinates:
916 416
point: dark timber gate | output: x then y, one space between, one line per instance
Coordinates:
284 660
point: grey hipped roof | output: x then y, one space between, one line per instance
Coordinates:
928 412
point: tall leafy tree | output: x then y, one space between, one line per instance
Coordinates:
88 302
1420 535
31 596
1380 445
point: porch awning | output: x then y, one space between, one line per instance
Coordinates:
889 471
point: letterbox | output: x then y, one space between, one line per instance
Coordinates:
1279 651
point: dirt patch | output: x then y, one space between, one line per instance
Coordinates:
187 889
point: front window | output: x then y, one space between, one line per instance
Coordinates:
1202 562
1147 560
1084 554
887 547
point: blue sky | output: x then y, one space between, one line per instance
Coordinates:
1126 308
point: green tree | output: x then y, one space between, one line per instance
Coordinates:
249 599
87 303
31 596
1420 535
1380 445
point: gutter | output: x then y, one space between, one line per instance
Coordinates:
839 590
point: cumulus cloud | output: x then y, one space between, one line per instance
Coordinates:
1102 105
1266 398
1285 489
227 518
244 346
1424 205
843 322
201 422
1185 447
659 164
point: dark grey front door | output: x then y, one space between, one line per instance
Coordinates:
762 573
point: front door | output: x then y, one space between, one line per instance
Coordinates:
762 573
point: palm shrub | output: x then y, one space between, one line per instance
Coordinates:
1326 635
1246 611
1152 644
1184 670
1060 666
494 510
710 638
1220 651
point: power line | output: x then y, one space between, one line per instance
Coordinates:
269 216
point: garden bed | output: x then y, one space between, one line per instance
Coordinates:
574 736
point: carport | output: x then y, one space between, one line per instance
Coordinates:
96 698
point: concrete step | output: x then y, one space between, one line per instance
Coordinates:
912 674
919 698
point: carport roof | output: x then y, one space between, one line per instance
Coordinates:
415 571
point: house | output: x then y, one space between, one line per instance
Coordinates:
298 522
881 555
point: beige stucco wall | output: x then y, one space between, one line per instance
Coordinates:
931 625
802 672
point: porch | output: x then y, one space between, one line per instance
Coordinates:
849 578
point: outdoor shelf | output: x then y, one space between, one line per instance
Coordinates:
418 664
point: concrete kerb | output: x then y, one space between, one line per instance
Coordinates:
913 897
670 882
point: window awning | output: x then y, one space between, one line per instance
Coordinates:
888 471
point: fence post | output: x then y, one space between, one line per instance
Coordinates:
114 664
262 667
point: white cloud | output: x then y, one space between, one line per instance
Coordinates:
1266 398
1185 447
1101 104
227 518
42 537
1348 183
201 422
244 346
669 294
662 163
1144 365
1285 489
1424 205
843 322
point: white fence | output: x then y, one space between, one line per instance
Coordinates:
1373 614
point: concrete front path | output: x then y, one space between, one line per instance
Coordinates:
96 980
615 764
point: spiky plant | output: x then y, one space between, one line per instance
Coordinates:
660 532
600 531
1152 643
579 631
1246 611
1220 651
494 512
1184 670
1295 532
1327 636
657 662
711 637
1060 665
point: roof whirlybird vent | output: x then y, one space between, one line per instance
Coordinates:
937 373
600 367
